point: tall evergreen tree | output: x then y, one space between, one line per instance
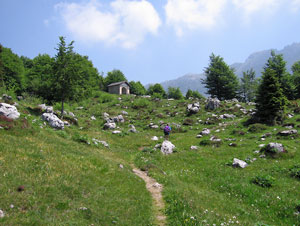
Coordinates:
278 65
220 80
248 86
296 78
65 77
270 100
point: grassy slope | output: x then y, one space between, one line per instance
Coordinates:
200 188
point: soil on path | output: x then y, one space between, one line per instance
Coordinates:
156 192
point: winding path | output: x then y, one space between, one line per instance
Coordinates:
156 192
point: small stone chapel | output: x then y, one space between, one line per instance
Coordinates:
120 88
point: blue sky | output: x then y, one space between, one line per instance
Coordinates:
150 40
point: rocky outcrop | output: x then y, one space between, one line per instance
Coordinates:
109 125
273 148
212 104
239 163
193 108
9 111
53 120
45 108
167 147
288 132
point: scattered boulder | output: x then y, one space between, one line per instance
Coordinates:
199 136
19 98
2 214
193 108
287 132
47 109
6 97
205 132
9 111
116 132
53 120
71 114
153 126
239 163
273 148
212 104
167 147
132 129
227 116
93 117
96 142
155 138
124 112
109 125
194 147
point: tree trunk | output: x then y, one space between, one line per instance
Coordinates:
62 109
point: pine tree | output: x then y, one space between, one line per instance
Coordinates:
277 63
248 86
65 77
270 100
220 80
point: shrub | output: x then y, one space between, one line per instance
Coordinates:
140 103
257 127
80 138
264 181
295 171
188 122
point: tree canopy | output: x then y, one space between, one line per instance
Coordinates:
220 81
270 100
12 70
137 88
157 90
248 86
175 93
112 77
278 65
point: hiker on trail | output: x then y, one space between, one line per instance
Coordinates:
167 131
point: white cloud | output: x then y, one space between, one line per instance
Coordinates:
126 23
193 14
295 5
250 7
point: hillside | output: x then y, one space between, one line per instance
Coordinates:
68 177
291 54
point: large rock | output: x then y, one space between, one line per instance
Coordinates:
9 111
109 125
53 120
288 132
205 132
212 104
273 148
47 109
167 147
193 108
239 163
132 129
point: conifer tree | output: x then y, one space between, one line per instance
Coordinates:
220 80
270 100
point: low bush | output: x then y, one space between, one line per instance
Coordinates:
81 138
264 181
295 171
140 103
188 122
257 127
